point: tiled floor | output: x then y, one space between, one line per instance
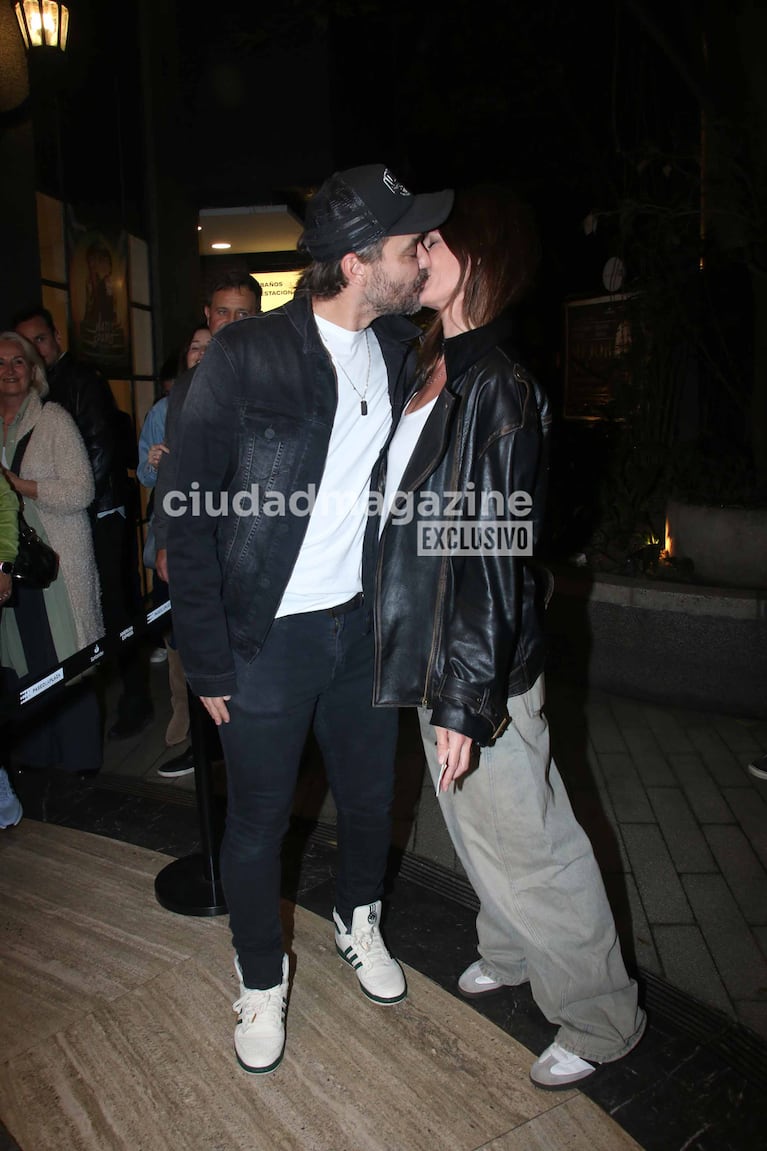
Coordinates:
679 827
693 1083
678 824
134 1049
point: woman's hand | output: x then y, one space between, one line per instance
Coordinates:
26 488
215 705
161 563
6 587
454 751
155 454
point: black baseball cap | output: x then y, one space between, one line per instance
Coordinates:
356 207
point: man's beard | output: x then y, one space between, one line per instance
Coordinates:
387 297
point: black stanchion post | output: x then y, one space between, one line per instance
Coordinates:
191 885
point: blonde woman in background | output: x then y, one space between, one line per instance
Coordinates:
10 808
44 459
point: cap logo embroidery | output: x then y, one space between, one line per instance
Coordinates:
393 184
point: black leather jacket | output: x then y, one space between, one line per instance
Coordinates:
87 397
259 410
461 634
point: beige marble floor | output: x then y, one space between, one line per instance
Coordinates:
116 1033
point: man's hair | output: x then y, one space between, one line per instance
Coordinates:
32 313
234 281
324 280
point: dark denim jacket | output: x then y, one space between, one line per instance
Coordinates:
259 412
462 634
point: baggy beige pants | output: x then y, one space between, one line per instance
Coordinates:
544 914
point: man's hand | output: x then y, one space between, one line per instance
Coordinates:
215 705
6 587
454 750
161 563
155 454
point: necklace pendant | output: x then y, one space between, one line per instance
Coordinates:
363 407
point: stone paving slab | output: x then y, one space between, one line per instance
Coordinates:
760 934
604 732
703 795
648 758
725 768
689 965
739 736
625 787
645 952
740 866
656 877
753 1015
739 959
686 842
750 809
670 733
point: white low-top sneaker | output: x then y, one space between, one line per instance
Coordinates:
479 979
381 977
558 1068
259 1037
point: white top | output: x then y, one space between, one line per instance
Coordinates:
406 436
328 570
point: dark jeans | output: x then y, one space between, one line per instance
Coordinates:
314 670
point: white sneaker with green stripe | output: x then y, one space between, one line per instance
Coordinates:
381 977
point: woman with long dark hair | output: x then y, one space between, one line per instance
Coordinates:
459 620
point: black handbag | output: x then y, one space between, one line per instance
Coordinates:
36 564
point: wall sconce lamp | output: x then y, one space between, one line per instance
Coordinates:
44 27
43 24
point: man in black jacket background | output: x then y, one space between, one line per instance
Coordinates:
111 445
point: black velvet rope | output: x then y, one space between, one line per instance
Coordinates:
32 691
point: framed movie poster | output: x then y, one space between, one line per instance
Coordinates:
98 288
597 338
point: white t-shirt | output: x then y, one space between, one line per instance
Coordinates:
406 436
328 570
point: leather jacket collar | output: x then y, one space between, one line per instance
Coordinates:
462 351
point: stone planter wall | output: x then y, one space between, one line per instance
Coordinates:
727 546
680 644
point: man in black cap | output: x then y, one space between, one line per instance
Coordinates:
271 554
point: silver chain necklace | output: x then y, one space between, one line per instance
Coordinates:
362 395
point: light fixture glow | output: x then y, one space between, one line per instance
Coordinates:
43 23
222 246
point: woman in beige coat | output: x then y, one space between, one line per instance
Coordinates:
45 461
